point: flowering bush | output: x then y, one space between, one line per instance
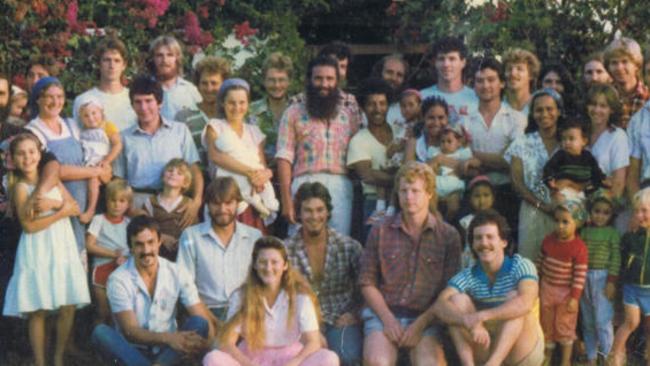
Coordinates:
68 30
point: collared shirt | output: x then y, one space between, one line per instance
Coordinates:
217 269
260 114
410 274
474 282
638 133
315 146
143 156
337 290
196 120
632 102
506 126
276 329
182 95
128 292
461 103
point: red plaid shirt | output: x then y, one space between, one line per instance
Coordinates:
410 274
632 102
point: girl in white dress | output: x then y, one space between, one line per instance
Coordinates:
48 275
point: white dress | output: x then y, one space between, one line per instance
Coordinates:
48 272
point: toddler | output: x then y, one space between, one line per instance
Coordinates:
409 104
635 274
449 187
481 198
168 206
106 241
101 143
17 105
596 311
563 268
573 167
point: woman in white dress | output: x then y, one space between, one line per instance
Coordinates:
48 274
527 155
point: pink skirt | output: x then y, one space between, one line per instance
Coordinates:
273 356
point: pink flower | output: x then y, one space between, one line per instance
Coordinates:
243 31
71 13
204 11
192 28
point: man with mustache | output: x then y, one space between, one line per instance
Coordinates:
143 294
394 70
166 64
330 262
313 140
217 253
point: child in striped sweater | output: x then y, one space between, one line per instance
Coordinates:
563 268
596 310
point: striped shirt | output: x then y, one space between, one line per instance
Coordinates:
564 263
474 282
603 245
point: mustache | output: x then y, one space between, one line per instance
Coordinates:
141 256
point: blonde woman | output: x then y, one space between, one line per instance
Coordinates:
277 315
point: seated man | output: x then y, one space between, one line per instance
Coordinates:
492 307
143 293
407 261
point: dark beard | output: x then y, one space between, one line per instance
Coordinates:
321 107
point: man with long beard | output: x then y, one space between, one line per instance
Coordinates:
166 64
217 253
330 262
313 140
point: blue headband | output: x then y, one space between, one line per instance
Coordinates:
229 83
37 89
553 94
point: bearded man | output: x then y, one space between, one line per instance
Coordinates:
313 141
218 252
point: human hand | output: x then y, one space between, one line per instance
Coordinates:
610 290
481 336
186 341
393 330
190 212
395 147
70 208
572 305
471 320
288 212
43 204
346 319
412 335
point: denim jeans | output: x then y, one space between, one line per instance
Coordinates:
114 346
346 342
596 313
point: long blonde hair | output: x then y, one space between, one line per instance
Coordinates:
251 314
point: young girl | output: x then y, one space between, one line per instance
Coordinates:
596 311
635 274
48 275
449 187
166 207
562 267
481 198
276 313
101 143
106 241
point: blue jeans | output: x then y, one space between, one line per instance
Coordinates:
596 313
114 346
346 342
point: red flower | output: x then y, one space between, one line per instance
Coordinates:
40 7
204 11
71 13
243 31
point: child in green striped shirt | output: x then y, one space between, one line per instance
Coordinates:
596 310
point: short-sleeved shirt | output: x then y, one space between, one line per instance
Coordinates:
275 319
638 132
461 103
260 114
180 96
365 147
144 155
217 269
110 234
128 292
410 274
474 282
337 290
530 149
117 107
506 126
195 119
313 145
611 150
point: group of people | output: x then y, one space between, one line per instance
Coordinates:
174 189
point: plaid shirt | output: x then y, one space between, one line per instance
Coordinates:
632 102
410 274
337 291
314 145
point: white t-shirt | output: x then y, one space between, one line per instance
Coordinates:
117 107
110 235
364 146
275 319
461 103
612 150
183 95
